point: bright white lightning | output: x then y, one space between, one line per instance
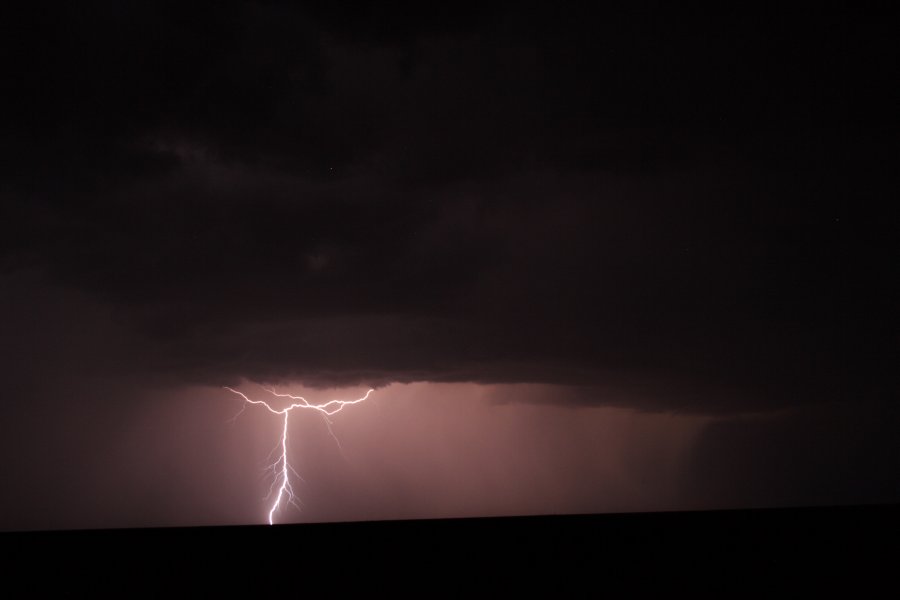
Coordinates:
281 467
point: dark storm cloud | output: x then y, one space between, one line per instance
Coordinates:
831 454
681 213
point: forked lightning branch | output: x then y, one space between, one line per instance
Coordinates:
281 468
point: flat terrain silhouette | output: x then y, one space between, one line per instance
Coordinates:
827 546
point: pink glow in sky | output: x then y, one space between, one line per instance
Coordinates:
421 450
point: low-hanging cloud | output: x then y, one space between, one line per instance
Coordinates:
297 198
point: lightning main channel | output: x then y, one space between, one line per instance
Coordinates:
280 467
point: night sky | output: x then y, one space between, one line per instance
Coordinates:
589 262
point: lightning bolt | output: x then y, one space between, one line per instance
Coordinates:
281 467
